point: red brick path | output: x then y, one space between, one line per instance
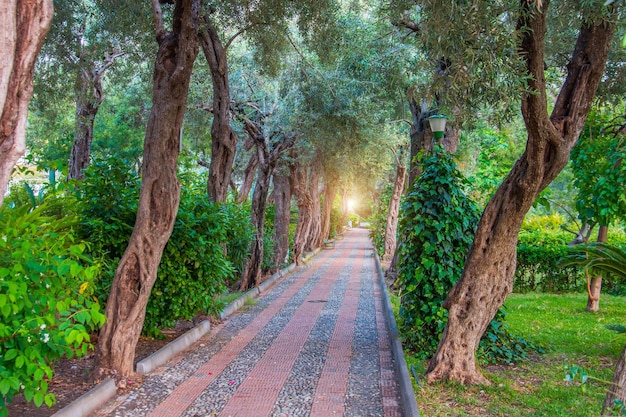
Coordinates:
257 394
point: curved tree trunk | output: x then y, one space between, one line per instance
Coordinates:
327 207
24 24
248 179
315 232
392 216
305 207
282 203
223 138
617 391
159 195
488 275
595 284
88 101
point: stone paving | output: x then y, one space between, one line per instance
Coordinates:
316 344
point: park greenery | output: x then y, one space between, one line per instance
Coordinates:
193 166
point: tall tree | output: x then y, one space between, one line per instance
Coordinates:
282 205
25 24
269 146
391 229
489 270
160 191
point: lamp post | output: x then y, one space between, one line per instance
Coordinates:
438 125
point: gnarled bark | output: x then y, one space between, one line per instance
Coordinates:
391 228
299 182
88 101
488 275
24 24
223 138
267 155
327 207
282 204
248 178
315 230
617 390
160 192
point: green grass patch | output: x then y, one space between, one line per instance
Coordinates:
230 297
537 387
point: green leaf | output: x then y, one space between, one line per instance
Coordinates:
38 398
11 354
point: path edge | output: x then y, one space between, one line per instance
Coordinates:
96 397
407 394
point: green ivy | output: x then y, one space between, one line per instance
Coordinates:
47 300
378 219
437 227
436 230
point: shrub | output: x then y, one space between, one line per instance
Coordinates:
378 220
47 298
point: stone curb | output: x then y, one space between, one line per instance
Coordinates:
95 398
406 388
173 348
90 401
263 287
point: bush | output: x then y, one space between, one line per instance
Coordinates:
378 220
208 243
47 298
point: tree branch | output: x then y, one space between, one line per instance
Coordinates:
157 15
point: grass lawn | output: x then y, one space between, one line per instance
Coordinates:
537 387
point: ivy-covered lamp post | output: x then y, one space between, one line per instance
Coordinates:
438 125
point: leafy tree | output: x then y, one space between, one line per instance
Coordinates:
160 191
494 51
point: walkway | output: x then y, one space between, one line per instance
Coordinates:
315 345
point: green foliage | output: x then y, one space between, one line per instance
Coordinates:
208 242
597 160
539 251
378 219
498 344
598 258
436 230
47 301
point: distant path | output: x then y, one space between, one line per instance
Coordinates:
315 345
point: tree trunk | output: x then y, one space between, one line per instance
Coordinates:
24 24
392 217
315 231
329 198
618 386
305 207
488 275
282 203
159 196
248 179
595 284
223 138
345 210
88 101
252 270
267 154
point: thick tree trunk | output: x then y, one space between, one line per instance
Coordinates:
392 217
248 179
267 154
315 232
223 138
24 24
88 101
488 275
617 391
252 270
305 207
159 196
282 203
327 207
595 284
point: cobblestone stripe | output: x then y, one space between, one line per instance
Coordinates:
388 381
332 385
184 395
257 394
364 397
296 397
